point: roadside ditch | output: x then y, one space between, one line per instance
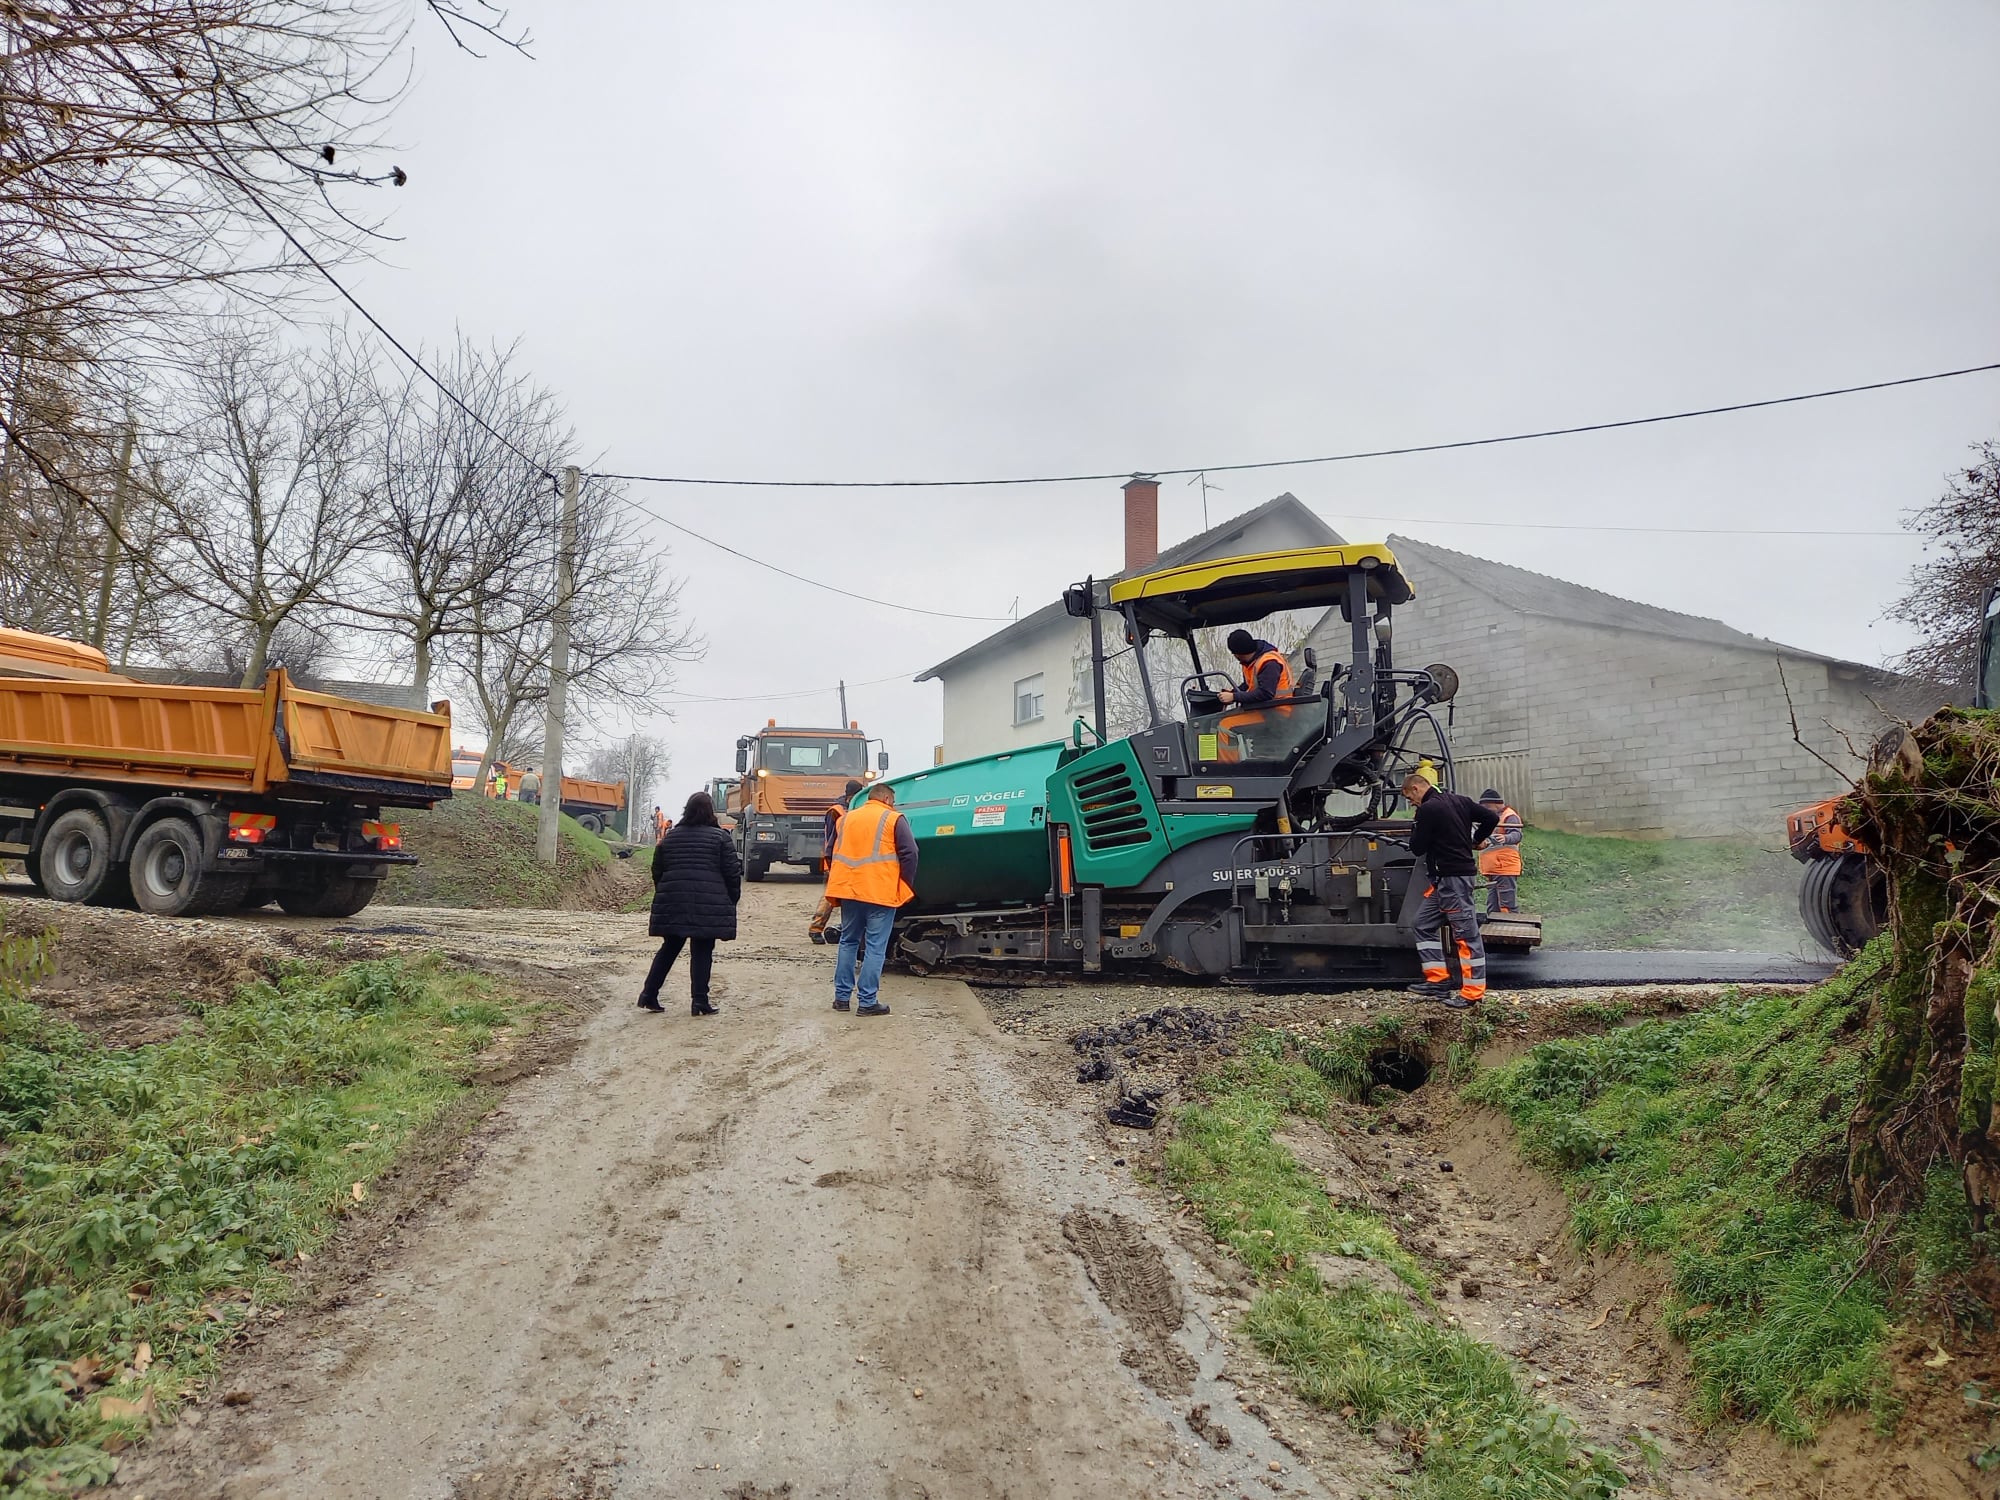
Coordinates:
1380 1222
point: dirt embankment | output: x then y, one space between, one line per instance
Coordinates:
1448 1177
476 852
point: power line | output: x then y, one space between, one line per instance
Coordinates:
377 324
537 464
913 609
1331 458
801 693
1593 526
1201 471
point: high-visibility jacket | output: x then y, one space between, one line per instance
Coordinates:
1236 718
500 785
864 865
1256 667
830 831
1503 858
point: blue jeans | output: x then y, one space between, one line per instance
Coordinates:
864 932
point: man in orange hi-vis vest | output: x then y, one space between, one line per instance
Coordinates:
1500 856
829 836
872 872
1267 678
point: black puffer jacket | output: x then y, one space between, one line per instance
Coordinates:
697 881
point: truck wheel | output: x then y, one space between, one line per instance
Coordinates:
754 868
75 861
1844 901
338 896
591 823
167 875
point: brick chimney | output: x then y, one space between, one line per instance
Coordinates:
1142 524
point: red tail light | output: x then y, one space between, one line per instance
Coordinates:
385 836
250 828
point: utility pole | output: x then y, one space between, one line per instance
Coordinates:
100 631
547 832
843 703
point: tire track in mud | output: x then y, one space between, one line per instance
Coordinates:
1131 1276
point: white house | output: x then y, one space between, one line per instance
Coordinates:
1591 713
1024 684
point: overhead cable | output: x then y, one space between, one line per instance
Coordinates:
1330 458
817 692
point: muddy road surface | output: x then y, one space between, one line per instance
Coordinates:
779 1251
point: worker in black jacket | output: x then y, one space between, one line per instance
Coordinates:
1441 836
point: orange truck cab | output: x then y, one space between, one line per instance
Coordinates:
789 778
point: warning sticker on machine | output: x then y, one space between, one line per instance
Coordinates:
994 816
944 828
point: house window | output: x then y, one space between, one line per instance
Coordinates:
1028 699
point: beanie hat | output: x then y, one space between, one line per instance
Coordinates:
1241 642
1490 795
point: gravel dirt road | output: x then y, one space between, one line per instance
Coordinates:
719 1257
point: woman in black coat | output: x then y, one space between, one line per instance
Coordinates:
697 881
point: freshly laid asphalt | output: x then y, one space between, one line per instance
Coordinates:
1554 967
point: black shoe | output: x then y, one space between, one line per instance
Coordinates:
840 1005
1457 1002
1429 991
703 1008
877 1009
654 1006
818 935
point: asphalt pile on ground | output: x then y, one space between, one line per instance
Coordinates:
1144 1058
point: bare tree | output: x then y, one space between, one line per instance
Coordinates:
457 501
78 518
270 504
502 662
638 760
1961 531
147 147
627 630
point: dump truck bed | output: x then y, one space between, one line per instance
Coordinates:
607 794
97 727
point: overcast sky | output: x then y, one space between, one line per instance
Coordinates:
888 240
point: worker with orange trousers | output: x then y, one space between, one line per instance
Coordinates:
829 836
1267 677
1442 835
872 872
1500 856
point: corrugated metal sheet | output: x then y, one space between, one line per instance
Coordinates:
1506 773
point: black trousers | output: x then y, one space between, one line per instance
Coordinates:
699 967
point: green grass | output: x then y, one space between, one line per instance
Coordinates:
154 1196
1712 1142
1665 893
1356 1348
478 852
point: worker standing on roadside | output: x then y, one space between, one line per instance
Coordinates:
1442 834
1267 677
873 871
529 788
1500 856
499 787
660 823
829 836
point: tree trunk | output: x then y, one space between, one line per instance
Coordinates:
1929 810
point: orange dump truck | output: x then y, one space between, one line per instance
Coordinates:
189 800
594 804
